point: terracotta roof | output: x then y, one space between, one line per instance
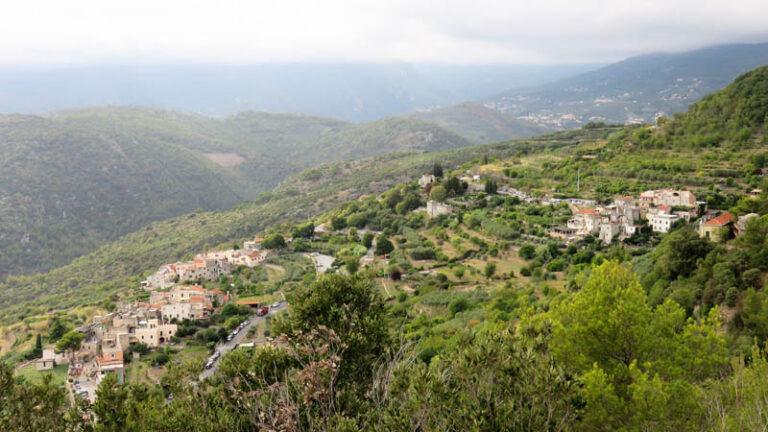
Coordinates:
587 211
197 300
106 359
247 302
217 291
663 207
723 219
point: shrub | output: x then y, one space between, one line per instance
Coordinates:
527 251
423 253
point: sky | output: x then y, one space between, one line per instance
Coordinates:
87 32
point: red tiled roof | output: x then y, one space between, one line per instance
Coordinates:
723 219
105 359
196 300
587 211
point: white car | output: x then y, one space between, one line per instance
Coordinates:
275 305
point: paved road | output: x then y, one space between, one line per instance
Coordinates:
322 262
225 347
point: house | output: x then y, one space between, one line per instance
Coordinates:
608 230
668 197
713 228
111 361
254 244
427 179
164 277
154 334
435 208
47 362
203 269
563 232
180 311
663 221
586 221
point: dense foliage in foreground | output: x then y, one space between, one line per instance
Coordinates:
602 359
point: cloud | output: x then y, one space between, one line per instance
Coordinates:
450 31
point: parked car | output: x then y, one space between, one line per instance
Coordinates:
263 311
275 305
209 364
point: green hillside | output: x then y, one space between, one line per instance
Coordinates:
312 140
120 264
73 180
479 123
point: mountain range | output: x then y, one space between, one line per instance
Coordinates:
635 90
356 92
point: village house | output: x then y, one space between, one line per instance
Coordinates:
714 228
47 362
585 222
427 179
111 361
436 208
203 269
164 277
668 197
609 229
254 244
563 232
154 334
662 221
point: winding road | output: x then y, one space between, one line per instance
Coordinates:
225 347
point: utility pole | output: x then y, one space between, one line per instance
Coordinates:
578 178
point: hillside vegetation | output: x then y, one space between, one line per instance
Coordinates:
482 319
479 123
119 264
73 180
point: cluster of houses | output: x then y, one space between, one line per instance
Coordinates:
208 266
108 337
662 208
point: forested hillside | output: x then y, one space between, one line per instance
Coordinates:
72 180
479 123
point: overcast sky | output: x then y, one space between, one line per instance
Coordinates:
37 32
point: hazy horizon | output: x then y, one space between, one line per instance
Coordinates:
89 32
